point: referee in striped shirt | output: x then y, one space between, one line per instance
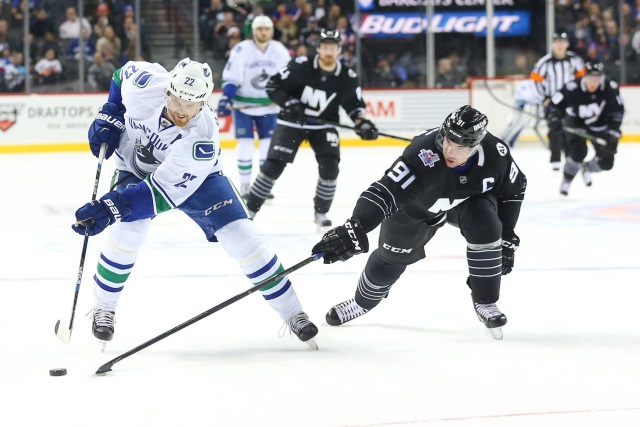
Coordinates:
551 73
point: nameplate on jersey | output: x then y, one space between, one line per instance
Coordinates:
428 157
204 150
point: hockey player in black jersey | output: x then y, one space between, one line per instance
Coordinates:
309 91
592 104
457 173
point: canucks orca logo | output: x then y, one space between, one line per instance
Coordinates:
145 154
206 72
260 81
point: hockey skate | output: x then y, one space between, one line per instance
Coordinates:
322 222
303 328
492 317
344 312
564 187
586 175
555 166
244 190
102 328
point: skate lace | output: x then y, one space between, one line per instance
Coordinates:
488 310
295 323
349 310
104 318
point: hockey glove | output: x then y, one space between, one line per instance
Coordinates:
293 111
366 130
612 136
106 128
509 246
224 106
343 242
99 214
554 122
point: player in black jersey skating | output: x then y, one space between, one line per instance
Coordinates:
458 173
309 91
591 104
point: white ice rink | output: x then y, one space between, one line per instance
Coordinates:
570 355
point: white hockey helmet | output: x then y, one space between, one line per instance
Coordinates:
261 22
191 81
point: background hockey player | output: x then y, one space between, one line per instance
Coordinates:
592 105
244 79
308 91
457 173
550 74
167 145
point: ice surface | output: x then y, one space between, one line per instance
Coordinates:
570 355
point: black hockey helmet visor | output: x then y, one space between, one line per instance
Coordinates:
466 126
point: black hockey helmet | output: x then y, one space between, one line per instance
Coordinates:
465 126
560 37
330 36
594 68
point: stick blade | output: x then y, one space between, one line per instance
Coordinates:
105 368
63 332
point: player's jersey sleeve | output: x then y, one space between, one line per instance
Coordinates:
510 187
351 99
233 72
401 184
563 99
615 106
289 81
190 162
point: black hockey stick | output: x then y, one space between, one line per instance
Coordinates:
63 331
327 122
583 134
107 366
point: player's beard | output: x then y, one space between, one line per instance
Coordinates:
328 60
178 119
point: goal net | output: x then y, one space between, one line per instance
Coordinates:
496 98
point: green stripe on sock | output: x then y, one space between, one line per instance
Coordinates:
111 276
276 283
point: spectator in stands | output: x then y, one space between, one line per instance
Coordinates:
220 39
310 35
446 77
70 29
110 38
286 29
48 69
301 51
384 75
99 74
40 23
233 38
73 50
49 42
304 15
15 73
321 9
330 20
210 17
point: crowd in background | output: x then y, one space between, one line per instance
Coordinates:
104 38
109 35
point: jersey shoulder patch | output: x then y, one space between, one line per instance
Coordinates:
502 149
204 150
428 157
301 59
352 74
613 85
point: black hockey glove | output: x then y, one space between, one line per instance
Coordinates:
554 122
293 111
509 245
612 136
366 130
343 242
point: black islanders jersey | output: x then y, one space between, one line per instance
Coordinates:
420 184
321 92
598 111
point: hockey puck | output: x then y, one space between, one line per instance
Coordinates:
58 372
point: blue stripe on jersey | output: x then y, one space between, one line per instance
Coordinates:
140 201
274 295
264 269
115 264
106 287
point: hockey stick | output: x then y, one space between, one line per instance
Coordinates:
327 122
107 366
581 133
63 331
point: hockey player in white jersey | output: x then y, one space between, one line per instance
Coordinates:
528 101
244 79
167 147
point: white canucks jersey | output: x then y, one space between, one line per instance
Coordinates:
249 69
173 161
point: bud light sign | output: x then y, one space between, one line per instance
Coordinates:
511 23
